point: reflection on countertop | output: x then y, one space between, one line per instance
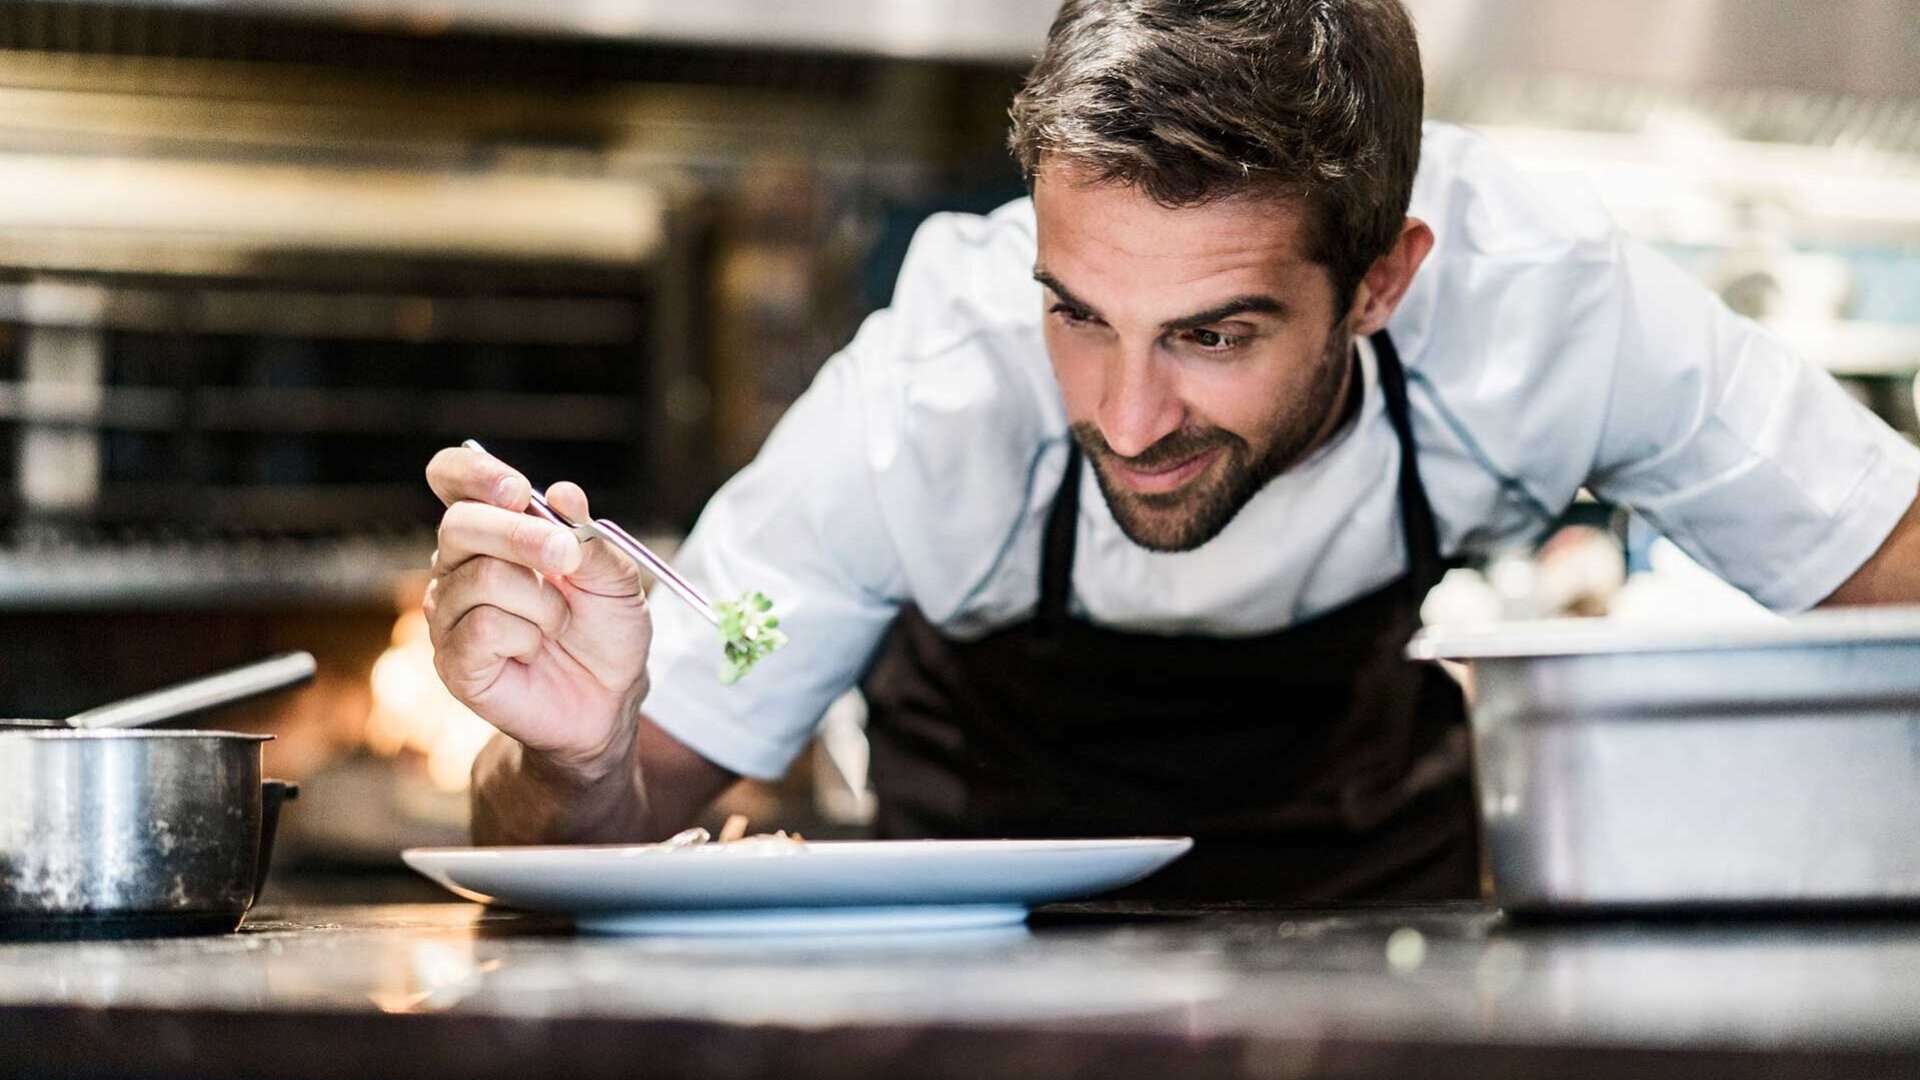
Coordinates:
1380 985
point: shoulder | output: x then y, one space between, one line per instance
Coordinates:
958 399
965 302
1482 203
971 270
1510 332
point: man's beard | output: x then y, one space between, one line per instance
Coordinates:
1200 509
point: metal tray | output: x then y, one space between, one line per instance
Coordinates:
1757 765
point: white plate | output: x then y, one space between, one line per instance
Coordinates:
813 887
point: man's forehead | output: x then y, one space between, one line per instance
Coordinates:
1081 219
1109 242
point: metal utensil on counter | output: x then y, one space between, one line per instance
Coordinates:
228 687
279 672
622 541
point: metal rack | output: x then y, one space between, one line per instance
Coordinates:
232 391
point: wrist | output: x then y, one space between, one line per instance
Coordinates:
582 768
523 795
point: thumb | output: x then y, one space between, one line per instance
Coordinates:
570 501
603 570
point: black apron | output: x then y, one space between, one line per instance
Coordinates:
1314 763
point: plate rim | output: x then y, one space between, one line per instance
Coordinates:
827 847
464 871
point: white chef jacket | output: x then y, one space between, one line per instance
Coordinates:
1545 351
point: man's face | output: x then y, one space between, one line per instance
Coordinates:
1198 350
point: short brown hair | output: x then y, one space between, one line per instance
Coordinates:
1196 100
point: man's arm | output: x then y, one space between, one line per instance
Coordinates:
616 733
549 639
1892 575
1748 456
651 792
637 751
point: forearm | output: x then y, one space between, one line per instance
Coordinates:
650 790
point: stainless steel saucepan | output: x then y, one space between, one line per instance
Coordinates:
110 832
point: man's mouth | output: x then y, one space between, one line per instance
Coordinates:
1159 480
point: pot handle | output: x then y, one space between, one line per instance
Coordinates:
273 793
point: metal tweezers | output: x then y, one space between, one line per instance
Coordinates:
622 541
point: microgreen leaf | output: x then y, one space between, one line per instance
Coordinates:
747 633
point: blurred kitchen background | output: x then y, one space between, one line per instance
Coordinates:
260 258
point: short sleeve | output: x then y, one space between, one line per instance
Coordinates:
901 474
1749 457
800 524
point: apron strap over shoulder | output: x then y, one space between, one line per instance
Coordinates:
1056 553
1424 562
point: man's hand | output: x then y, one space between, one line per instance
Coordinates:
544 637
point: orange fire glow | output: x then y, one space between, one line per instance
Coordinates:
412 710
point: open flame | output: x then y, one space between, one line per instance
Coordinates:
412 709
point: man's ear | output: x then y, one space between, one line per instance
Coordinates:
1387 279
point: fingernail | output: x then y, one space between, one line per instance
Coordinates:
554 550
503 490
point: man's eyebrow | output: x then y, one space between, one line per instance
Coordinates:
1062 291
1239 305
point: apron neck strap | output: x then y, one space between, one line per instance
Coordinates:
1416 514
1056 552
1424 563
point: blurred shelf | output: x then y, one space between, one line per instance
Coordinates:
171 574
287 507
316 410
324 316
247 210
979 30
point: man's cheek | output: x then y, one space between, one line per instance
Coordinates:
1077 370
1242 406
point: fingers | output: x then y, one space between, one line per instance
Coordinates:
457 474
472 529
471 652
489 582
603 570
484 499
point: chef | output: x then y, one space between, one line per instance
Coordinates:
1122 512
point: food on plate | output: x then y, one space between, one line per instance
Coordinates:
734 833
748 632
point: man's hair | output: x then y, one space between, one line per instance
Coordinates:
1190 101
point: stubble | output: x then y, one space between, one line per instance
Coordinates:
1189 517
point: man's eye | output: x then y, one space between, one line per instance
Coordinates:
1072 314
1213 340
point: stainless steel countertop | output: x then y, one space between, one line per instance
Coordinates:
1087 990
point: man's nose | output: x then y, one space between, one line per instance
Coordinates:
1140 406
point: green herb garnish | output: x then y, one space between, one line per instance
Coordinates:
747 632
